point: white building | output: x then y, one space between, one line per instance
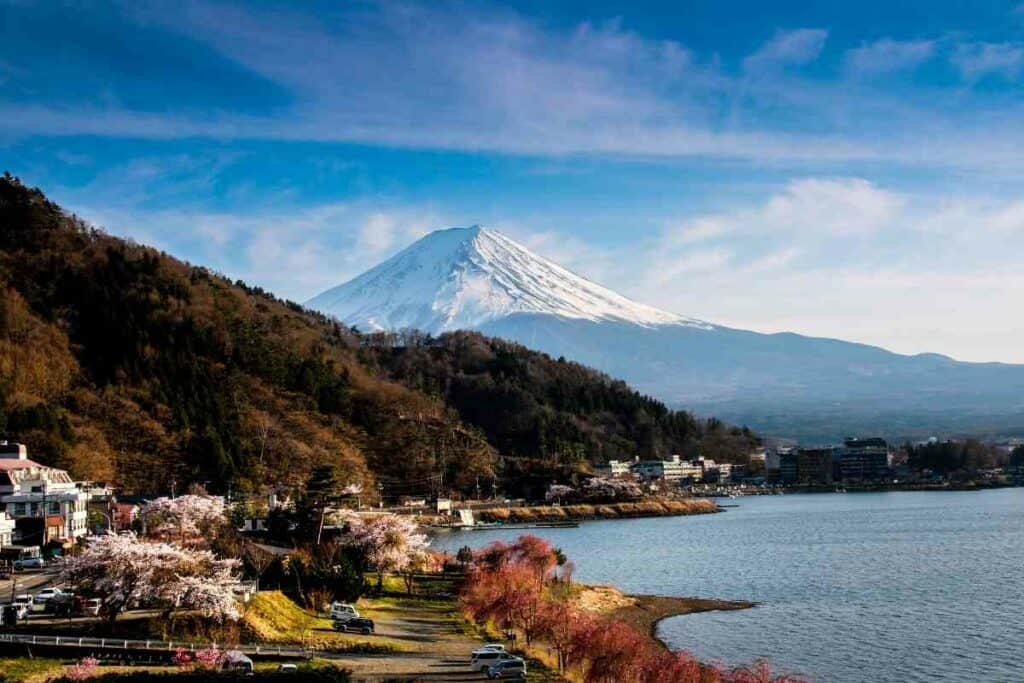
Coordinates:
669 471
613 468
6 530
31 490
711 471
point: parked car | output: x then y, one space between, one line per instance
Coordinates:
47 593
234 660
30 563
287 668
483 659
23 603
509 668
342 611
61 604
497 647
356 625
90 607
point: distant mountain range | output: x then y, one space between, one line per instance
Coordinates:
782 384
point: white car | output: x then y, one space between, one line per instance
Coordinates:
497 647
341 611
47 593
23 604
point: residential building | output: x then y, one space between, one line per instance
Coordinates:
44 502
124 515
864 459
816 465
789 466
710 471
614 468
757 460
6 530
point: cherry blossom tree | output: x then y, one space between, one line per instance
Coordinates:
515 586
388 542
607 489
558 492
187 517
123 571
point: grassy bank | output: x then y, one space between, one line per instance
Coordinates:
29 670
273 618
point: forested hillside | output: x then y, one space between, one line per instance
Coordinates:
124 364
529 403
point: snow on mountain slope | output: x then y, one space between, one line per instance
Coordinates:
783 384
463 278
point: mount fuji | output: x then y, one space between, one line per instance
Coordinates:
782 384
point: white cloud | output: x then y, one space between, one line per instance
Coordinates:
699 230
294 252
844 257
975 60
887 55
787 48
837 206
378 232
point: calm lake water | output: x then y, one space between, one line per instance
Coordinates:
899 586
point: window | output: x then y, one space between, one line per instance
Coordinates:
54 508
19 509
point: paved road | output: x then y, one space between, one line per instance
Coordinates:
28 581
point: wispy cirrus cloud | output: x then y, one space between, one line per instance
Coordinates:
975 60
447 77
787 48
888 56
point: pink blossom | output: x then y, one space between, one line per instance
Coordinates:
84 669
123 571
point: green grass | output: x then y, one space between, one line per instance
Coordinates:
272 617
23 669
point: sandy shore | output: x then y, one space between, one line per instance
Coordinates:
645 612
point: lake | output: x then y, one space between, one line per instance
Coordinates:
907 586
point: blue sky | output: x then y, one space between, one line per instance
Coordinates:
839 169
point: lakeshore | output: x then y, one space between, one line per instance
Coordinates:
646 612
832 576
579 512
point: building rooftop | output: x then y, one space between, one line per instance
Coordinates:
19 464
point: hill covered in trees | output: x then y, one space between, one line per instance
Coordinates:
122 363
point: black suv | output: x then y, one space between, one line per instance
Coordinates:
357 625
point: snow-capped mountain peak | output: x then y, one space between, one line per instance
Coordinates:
463 278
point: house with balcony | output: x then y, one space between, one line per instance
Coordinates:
45 504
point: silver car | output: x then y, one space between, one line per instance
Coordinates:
485 659
509 668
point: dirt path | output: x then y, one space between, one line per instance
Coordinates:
434 643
